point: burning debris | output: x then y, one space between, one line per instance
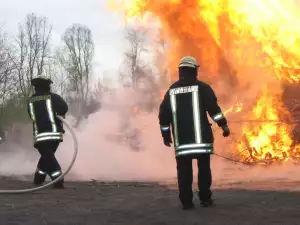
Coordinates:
269 140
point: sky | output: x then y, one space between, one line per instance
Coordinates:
107 26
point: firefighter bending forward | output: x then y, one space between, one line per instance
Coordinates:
185 107
43 106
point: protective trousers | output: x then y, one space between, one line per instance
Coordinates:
185 178
47 164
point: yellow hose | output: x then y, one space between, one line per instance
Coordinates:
22 191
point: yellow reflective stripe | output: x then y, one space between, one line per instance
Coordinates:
164 128
51 115
48 138
40 172
194 151
218 116
173 107
49 134
56 173
32 114
196 114
202 145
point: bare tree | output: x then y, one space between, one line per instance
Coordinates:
59 76
32 50
7 79
137 73
134 67
77 58
160 61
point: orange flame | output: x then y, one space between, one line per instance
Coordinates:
255 40
237 108
266 140
213 29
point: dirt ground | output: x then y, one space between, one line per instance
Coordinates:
97 203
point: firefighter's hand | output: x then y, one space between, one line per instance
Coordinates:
167 138
63 116
168 143
226 131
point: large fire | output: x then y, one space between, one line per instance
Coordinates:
270 140
255 42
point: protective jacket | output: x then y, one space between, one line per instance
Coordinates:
185 108
43 108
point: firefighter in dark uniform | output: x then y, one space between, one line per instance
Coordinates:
184 111
43 106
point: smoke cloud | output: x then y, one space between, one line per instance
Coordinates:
109 149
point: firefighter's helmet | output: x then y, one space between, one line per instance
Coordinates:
188 61
41 79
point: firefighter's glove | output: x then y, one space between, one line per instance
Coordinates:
63 116
166 134
226 131
168 140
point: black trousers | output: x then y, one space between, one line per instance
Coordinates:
185 177
48 163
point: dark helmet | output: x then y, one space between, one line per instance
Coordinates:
41 80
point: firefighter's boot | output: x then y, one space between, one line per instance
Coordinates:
39 177
208 203
60 183
188 206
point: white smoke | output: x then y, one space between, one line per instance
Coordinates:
106 152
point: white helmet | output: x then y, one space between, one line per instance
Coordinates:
188 61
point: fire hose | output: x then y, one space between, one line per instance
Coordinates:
227 158
23 191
